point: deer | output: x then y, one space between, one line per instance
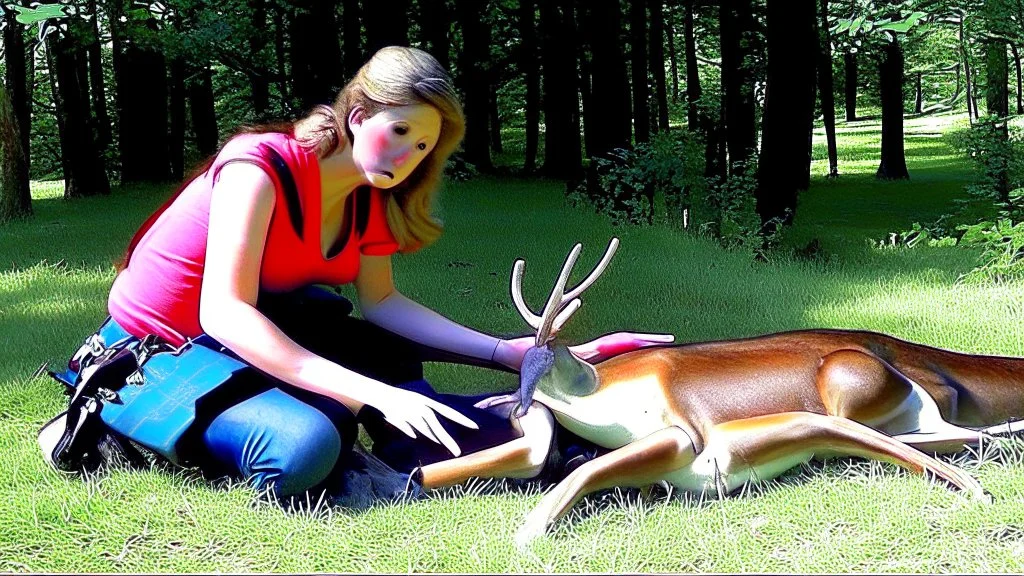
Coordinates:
713 416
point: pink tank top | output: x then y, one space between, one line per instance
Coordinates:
158 293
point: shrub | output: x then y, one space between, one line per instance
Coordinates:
662 182
996 155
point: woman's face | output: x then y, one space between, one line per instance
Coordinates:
390 145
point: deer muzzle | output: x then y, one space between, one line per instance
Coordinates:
537 362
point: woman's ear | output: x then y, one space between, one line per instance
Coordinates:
355 118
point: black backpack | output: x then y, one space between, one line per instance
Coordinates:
77 440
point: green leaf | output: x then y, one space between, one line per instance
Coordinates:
44 12
855 26
903 26
898 27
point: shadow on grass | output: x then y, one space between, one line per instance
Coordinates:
83 232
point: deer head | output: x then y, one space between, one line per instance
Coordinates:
549 365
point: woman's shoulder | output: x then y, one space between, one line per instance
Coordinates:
276 152
259 144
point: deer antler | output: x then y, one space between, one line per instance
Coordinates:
560 306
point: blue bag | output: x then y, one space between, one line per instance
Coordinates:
173 394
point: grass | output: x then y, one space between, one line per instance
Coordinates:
845 516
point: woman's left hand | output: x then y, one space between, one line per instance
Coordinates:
511 352
617 343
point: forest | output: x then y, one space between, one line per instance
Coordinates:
710 104
768 166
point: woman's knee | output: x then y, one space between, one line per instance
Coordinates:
274 440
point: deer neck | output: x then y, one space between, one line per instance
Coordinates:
568 377
608 409
571 390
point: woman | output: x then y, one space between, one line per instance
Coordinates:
324 201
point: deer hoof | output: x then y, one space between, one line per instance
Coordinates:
535 526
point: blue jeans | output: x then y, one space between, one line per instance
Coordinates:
277 439
292 441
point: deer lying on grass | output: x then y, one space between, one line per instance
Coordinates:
712 416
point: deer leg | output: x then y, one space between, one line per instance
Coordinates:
523 457
637 464
765 446
863 387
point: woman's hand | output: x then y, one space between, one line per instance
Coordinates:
614 344
511 352
411 413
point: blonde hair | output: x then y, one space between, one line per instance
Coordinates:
396 76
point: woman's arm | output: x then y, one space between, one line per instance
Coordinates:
388 308
240 210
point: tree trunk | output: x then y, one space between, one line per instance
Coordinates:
972 108
1020 96
85 175
890 80
387 23
204 116
15 198
529 66
30 59
697 120
693 91
560 95
996 93
670 32
918 96
437 26
58 111
610 83
974 95
257 44
850 70
281 59
784 166
97 84
176 139
589 113
494 119
18 82
737 26
825 89
997 104
638 56
475 82
141 80
492 78
315 55
657 63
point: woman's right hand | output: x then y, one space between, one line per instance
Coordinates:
411 413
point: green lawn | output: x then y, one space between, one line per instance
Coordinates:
848 515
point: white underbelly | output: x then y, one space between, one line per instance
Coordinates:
615 416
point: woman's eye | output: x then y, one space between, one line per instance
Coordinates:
401 130
422 146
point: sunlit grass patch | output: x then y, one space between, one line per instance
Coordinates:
847 515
